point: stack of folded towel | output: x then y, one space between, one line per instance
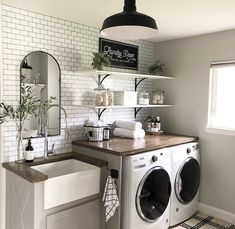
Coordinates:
129 129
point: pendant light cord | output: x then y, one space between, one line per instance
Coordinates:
129 6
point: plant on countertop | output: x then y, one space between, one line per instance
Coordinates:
156 68
99 61
29 104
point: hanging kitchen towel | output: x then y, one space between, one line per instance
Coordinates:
124 133
110 198
130 125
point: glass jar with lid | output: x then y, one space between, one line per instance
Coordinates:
101 97
144 98
110 97
158 97
161 101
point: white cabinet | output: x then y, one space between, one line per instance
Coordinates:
25 208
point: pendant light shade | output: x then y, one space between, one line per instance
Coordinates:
129 24
26 66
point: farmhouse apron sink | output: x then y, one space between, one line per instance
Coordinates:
68 180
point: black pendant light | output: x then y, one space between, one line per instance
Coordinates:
129 24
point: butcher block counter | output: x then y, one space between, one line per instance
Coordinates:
126 147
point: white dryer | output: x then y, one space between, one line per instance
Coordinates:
185 182
146 190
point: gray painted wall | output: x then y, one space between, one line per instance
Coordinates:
188 60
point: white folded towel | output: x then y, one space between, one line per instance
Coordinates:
110 198
120 132
130 125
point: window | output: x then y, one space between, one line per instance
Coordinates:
221 111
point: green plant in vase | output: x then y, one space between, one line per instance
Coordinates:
156 68
29 104
99 61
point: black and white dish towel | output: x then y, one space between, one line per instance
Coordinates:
110 198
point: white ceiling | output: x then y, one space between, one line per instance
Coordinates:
175 18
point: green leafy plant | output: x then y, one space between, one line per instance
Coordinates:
156 68
29 104
99 61
149 118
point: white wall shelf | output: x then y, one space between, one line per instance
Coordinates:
96 73
101 75
120 106
101 109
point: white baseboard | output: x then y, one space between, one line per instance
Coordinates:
217 213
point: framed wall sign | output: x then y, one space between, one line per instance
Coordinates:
121 55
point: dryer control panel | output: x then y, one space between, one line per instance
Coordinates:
184 151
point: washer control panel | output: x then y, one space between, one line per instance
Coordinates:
151 158
139 162
189 150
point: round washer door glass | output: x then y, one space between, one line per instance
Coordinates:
187 180
153 194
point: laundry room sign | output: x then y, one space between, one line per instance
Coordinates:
121 55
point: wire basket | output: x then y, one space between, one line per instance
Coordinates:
95 133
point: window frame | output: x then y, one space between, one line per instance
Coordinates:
211 98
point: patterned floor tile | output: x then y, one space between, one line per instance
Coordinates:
203 221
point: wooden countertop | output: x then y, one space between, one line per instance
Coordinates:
125 146
25 171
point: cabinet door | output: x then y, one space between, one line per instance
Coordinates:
85 216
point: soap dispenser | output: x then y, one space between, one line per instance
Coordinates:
158 123
29 154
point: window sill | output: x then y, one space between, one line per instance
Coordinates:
214 130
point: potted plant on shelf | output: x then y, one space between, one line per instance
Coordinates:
28 105
156 68
99 61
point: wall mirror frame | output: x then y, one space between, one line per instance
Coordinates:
42 73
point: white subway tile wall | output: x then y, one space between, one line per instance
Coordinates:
72 45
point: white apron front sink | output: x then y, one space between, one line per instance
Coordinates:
68 180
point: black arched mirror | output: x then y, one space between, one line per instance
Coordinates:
41 72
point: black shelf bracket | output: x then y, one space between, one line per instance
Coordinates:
101 79
137 110
100 112
137 82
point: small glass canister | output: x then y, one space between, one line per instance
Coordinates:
100 96
158 97
110 97
106 133
144 98
161 101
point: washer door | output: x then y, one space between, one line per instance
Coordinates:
153 194
187 180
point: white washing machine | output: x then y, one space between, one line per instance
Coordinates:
146 190
185 182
